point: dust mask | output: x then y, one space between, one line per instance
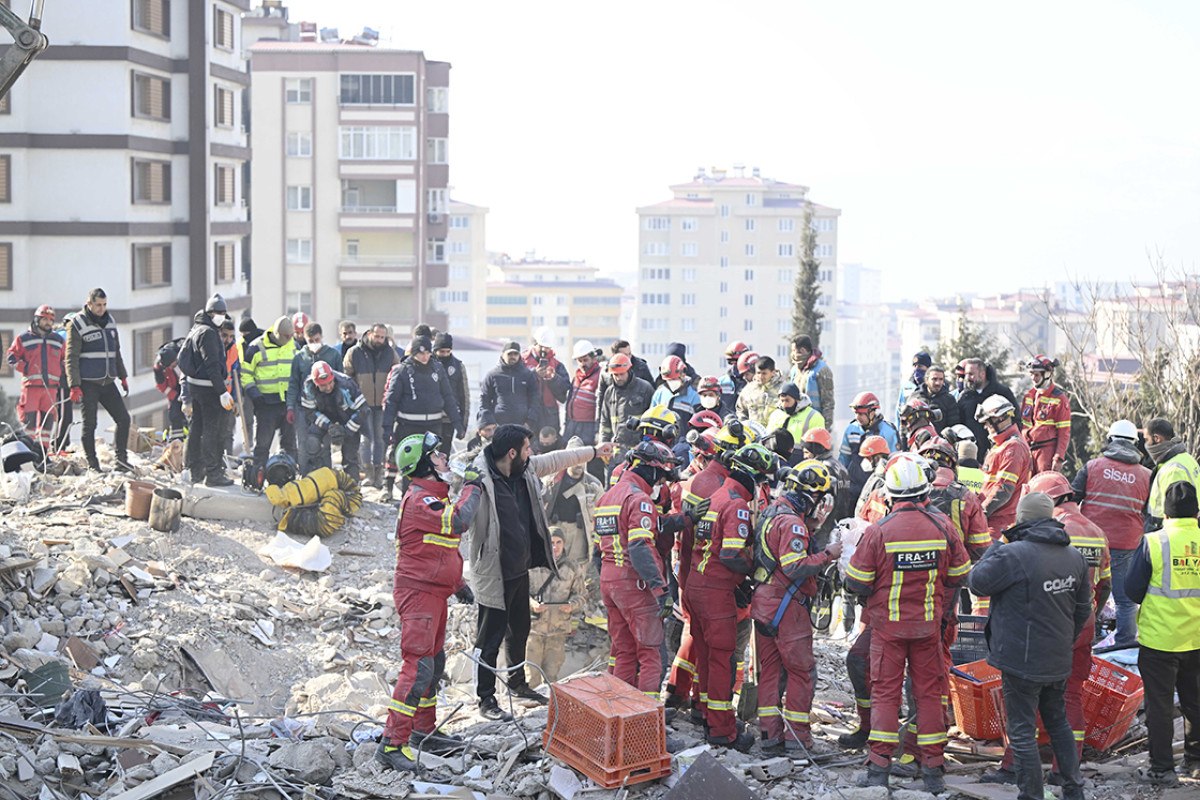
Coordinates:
314 347
710 401
219 319
674 384
866 465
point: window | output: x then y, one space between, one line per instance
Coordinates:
460 272
724 261
223 262
824 251
222 29
299 198
748 274
379 143
787 225
435 251
152 16
786 249
223 184
657 274
350 303
222 107
460 221
688 324
299 251
655 249
749 250
435 201
562 321
151 96
352 248
723 337
597 301
151 181
687 299
724 237
436 151
785 275
656 299
724 211
749 223
689 276
537 300
689 249
657 223
297 91
437 99
460 248
506 320
299 301
145 347
748 325
747 299
6 267
751 200
783 326
6 104
724 312
655 324
687 224
378 90
822 225
299 145
453 296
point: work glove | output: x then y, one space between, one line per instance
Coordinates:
316 431
471 477
465 595
696 511
227 401
76 395
664 606
125 386
744 593
291 416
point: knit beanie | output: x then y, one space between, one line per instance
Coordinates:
1180 502
967 451
1034 506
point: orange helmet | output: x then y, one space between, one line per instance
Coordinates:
671 368
322 374
620 364
819 437
1052 484
746 361
864 401
874 446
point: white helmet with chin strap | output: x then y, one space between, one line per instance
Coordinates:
1123 429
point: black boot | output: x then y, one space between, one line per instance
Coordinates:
934 778
854 741
401 759
875 776
389 483
440 744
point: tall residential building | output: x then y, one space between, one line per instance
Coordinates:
464 301
121 162
568 297
718 264
349 186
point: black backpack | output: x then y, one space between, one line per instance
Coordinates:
168 354
190 359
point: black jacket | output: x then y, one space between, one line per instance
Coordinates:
618 403
512 395
457 374
1041 600
419 393
205 339
942 400
642 370
971 400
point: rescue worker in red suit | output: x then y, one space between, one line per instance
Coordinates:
429 570
1089 540
1045 417
785 574
903 564
721 560
1007 467
917 420
38 355
872 501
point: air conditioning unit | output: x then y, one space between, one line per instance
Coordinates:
435 219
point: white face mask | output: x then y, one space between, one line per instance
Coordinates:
219 319
710 401
314 347
867 466
674 385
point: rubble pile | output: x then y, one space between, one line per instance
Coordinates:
138 664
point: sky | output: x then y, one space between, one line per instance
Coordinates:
972 147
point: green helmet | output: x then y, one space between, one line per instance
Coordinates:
754 459
413 449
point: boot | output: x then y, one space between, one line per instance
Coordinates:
854 741
388 485
401 759
875 776
935 782
440 744
741 742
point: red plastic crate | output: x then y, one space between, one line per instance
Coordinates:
608 730
974 709
1111 699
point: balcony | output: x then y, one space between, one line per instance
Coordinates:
398 261
361 209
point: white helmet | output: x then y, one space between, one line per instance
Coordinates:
1123 429
993 407
583 347
906 476
545 337
959 433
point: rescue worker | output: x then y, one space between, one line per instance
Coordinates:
331 401
310 349
94 367
553 381
969 471
713 397
167 381
640 368
266 374
66 409
676 391
921 362
903 564
867 422
794 413
732 381
1112 491
1172 464
817 444
39 357
761 397
429 569
721 560
369 362
583 395
1041 601
1007 465
1045 417
570 500
511 393
657 423
786 567
872 503
456 371
812 375
917 420
1165 579
203 362
633 580
624 396
556 599
300 324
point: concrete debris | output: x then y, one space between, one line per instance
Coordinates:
307 762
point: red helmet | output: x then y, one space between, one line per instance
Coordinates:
874 446
916 407
322 374
864 401
671 368
299 322
709 383
620 364
1052 484
703 420
705 444
819 437
735 350
746 361
940 451
44 312
655 454
1041 363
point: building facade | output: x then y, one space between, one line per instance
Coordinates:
718 264
122 155
349 185
568 297
464 300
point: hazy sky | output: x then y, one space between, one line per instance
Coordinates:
970 145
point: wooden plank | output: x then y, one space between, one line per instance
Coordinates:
168 779
117 742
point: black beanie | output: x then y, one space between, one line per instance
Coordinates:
443 341
1180 502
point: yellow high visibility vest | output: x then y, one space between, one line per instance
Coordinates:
971 477
1169 617
1182 467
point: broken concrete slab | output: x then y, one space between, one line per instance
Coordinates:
706 779
309 762
771 770
228 503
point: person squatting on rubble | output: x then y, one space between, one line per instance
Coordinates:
903 565
94 367
505 542
1041 602
429 570
310 349
331 403
557 598
39 357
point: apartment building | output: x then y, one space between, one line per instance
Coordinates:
463 301
349 182
568 297
122 151
718 264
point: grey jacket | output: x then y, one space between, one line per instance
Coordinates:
487 582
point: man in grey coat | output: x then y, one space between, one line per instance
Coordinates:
508 539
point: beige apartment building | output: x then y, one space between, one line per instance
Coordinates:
349 182
718 263
463 301
568 297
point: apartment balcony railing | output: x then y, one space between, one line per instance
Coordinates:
368 209
379 261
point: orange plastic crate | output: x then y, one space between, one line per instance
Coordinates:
1111 699
974 709
608 730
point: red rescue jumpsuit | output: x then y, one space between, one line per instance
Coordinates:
721 560
681 682
40 360
784 540
428 570
905 562
1046 426
1007 467
632 581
